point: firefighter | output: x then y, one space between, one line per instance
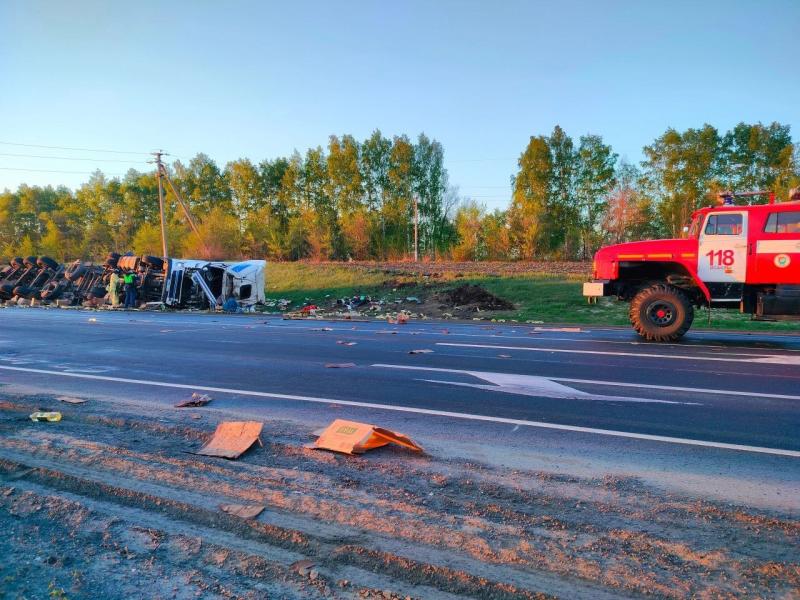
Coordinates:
130 289
113 288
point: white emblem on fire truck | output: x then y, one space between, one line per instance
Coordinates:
782 261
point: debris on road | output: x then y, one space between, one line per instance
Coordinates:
46 416
559 329
423 351
196 400
303 567
351 437
344 343
245 511
71 399
339 365
322 329
503 356
232 439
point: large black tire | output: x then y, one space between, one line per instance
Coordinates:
76 273
154 262
661 313
52 292
47 263
24 291
98 292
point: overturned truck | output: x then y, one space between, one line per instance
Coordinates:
169 282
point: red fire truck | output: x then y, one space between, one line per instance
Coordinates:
737 257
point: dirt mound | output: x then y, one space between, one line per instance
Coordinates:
473 296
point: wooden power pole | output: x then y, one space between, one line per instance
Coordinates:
159 167
416 227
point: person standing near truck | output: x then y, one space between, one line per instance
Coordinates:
130 289
113 288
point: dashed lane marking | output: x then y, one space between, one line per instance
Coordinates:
421 411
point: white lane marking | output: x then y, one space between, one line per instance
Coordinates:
649 386
756 358
526 390
422 411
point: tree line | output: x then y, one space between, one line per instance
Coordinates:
357 200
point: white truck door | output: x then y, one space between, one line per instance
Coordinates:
723 248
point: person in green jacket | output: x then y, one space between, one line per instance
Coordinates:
113 288
130 289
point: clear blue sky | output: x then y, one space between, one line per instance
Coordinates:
259 79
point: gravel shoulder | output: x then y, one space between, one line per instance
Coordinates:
109 502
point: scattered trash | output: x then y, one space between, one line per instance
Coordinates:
245 511
8 491
351 437
339 365
195 400
48 417
402 319
92 320
322 329
503 356
303 567
71 400
309 309
413 299
232 438
424 351
343 343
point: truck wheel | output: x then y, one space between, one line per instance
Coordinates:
46 262
661 313
154 262
76 273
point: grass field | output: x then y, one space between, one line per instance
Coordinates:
538 295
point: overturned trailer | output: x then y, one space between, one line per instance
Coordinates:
171 282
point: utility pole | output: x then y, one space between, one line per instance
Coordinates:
159 166
416 227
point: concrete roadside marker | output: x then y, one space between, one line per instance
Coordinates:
351 437
232 438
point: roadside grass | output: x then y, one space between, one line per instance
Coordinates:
538 297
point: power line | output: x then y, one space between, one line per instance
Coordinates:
72 148
116 160
55 171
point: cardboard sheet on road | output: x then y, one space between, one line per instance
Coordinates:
232 439
352 437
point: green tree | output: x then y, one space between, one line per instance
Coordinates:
593 181
528 215
680 171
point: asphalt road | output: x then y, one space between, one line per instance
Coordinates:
717 404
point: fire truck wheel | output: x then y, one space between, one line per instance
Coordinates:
661 313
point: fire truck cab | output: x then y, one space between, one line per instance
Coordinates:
736 257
